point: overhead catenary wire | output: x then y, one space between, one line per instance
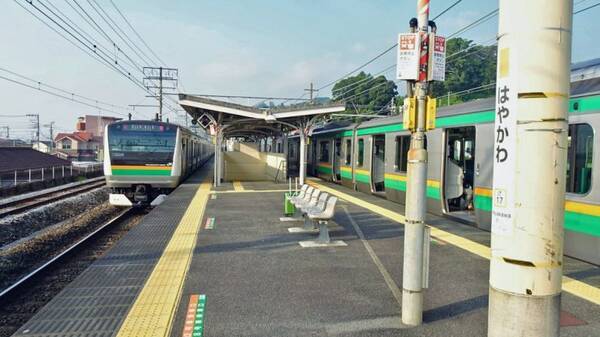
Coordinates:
587 8
382 53
475 23
136 33
72 99
90 44
116 29
40 84
446 10
84 32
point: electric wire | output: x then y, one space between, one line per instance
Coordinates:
587 8
39 83
61 96
446 10
89 52
136 33
475 23
93 43
112 25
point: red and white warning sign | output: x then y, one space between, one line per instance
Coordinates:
437 58
407 67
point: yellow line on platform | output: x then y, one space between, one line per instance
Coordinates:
570 285
237 185
153 311
248 191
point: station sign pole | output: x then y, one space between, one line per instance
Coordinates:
421 59
530 156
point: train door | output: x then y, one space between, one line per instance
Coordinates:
459 172
293 158
313 158
337 159
378 164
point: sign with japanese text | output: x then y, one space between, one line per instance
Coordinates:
437 58
407 67
505 145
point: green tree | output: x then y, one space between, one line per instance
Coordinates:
365 92
468 66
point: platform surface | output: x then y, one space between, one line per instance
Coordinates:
258 281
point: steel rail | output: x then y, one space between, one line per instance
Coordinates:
30 278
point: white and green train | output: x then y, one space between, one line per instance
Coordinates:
372 157
146 160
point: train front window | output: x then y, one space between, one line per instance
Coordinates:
579 161
141 144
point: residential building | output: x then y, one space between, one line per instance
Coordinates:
85 144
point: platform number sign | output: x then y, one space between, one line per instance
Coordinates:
505 141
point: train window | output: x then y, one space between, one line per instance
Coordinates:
469 149
579 158
402 146
324 152
348 152
361 152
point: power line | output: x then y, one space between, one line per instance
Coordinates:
92 54
384 52
89 37
587 8
92 46
446 10
368 89
106 18
475 23
362 66
136 33
39 83
246 97
61 96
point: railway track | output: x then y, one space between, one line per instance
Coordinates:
19 205
13 292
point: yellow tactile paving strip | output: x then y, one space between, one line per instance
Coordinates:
572 286
155 306
237 186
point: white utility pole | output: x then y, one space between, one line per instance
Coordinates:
416 240
531 129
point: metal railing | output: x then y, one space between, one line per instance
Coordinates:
13 178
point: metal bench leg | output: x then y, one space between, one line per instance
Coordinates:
323 233
308 223
323 240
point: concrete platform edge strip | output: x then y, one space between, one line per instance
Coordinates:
302 230
570 285
317 244
153 310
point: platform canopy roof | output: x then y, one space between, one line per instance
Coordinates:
236 120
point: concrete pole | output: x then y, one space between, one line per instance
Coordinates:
529 167
216 160
416 199
302 155
220 140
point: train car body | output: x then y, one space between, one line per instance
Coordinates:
371 157
146 160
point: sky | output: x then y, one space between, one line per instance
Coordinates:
227 47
